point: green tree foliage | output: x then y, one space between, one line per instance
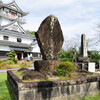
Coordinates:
11 57
94 55
67 55
65 69
1 61
31 32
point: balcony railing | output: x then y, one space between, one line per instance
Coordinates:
8 16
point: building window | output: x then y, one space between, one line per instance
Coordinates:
6 12
12 15
3 53
5 37
19 39
34 39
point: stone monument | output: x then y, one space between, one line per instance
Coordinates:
83 46
83 60
50 40
74 57
83 51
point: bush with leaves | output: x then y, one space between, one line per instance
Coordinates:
65 69
67 55
1 61
11 57
94 55
31 32
10 62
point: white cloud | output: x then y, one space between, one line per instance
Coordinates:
42 4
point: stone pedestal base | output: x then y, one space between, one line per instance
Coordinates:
83 62
83 59
83 66
46 65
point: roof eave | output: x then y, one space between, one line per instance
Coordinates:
18 35
20 11
25 13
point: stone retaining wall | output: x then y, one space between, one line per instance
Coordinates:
54 90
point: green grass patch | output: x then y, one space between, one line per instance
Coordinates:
97 97
5 93
63 77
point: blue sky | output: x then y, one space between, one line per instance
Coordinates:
75 16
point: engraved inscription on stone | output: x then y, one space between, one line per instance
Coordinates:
50 38
83 46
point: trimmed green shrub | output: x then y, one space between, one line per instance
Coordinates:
65 69
1 61
10 62
15 60
11 56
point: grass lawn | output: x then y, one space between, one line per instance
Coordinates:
5 93
97 97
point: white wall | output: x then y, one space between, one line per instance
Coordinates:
4 48
27 41
12 38
4 21
0 20
1 37
36 49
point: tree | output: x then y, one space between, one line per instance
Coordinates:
11 57
34 40
96 39
73 43
31 32
68 55
98 34
94 55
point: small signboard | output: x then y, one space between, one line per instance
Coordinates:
91 67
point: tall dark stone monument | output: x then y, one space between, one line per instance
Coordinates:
83 60
83 46
50 40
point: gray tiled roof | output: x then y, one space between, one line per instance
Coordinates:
25 34
14 44
20 49
7 5
16 33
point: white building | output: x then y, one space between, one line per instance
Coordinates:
12 35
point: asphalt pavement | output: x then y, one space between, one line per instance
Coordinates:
5 70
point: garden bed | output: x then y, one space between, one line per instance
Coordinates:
6 65
62 89
74 75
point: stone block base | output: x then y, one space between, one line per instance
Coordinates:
66 89
46 65
83 59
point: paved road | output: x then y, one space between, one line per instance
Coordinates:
5 70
